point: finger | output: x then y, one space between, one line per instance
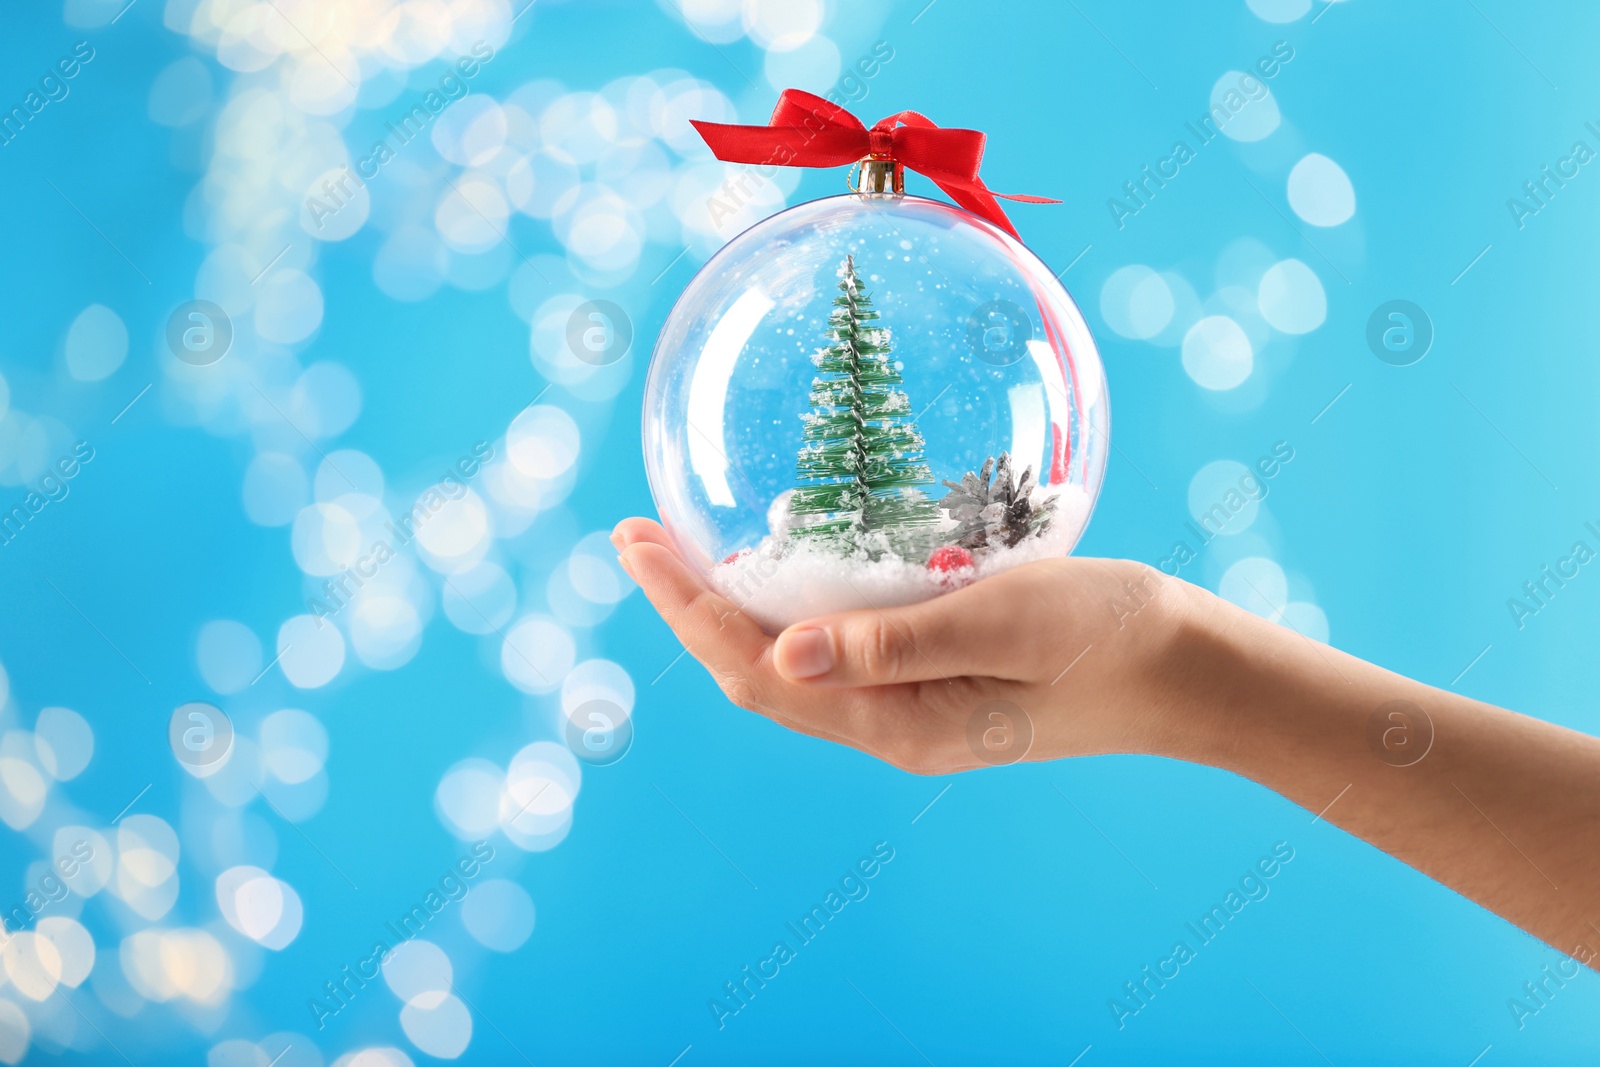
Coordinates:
988 629
712 628
636 530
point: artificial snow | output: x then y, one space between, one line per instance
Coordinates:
782 581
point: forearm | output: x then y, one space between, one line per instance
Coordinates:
1502 808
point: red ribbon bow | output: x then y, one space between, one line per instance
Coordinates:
808 131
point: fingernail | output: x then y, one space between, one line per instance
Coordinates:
616 538
805 653
622 561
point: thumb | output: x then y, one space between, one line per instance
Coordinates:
969 632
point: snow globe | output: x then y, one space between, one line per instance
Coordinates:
869 400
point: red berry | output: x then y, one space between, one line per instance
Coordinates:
949 558
732 556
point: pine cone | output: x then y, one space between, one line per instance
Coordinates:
993 511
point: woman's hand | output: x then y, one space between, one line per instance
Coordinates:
1057 658
1074 657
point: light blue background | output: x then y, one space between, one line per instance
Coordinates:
1006 919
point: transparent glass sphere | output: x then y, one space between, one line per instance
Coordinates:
829 371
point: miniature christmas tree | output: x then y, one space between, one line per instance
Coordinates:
860 467
989 512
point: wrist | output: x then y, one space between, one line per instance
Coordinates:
1248 695
1189 661
1220 678
1150 684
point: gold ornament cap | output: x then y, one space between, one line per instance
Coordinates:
876 176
